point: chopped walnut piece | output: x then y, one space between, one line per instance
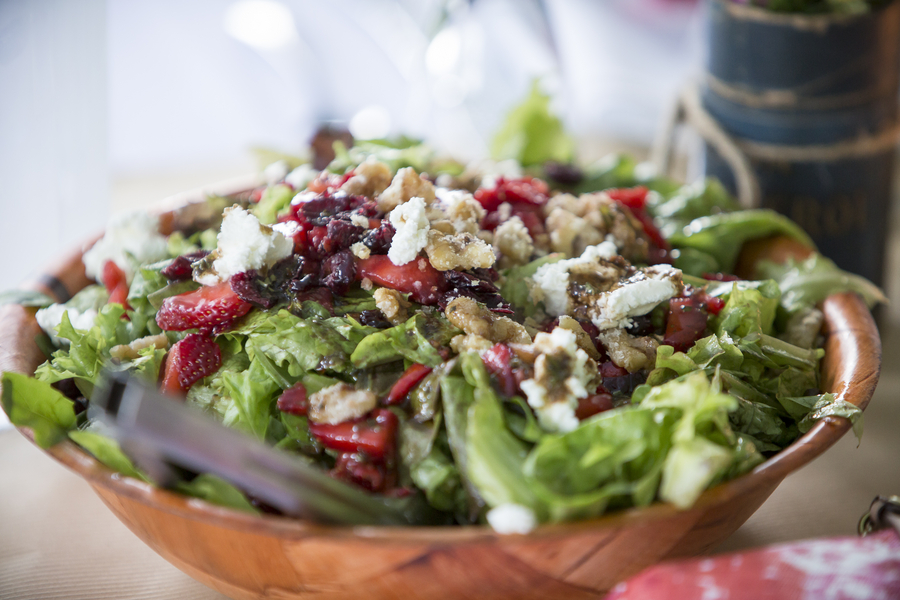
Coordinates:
570 234
627 351
360 250
513 241
463 211
460 251
340 402
369 179
405 185
601 214
392 304
131 351
470 342
475 319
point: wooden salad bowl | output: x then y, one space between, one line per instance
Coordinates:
250 557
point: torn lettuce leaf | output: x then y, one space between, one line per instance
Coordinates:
532 134
29 402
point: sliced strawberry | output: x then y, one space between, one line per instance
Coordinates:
294 400
497 362
116 284
686 322
594 404
189 361
209 308
418 278
526 189
375 439
410 379
357 469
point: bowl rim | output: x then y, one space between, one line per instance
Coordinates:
849 326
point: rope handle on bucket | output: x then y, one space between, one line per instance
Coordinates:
688 110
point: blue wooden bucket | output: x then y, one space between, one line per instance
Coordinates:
811 101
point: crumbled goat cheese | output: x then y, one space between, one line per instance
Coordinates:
244 244
411 236
511 518
407 184
340 402
301 177
50 317
135 234
563 373
635 296
276 172
552 280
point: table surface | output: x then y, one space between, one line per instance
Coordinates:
57 540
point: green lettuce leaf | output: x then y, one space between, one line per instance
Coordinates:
35 404
531 134
107 451
722 235
273 202
253 393
26 298
416 340
808 282
692 201
216 490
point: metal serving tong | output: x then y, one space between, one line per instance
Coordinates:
169 440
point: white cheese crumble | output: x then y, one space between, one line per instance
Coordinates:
276 171
511 518
411 224
50 317
301 177
615 307
244 244
554 404
553 279
135 234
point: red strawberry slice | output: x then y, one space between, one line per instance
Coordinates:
410 379
418 278
376 439
294 400
189 361
116 284
208 308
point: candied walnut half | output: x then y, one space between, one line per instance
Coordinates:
459 251
392 304
405 185
475 319
514 242
340 402
627 351
369 179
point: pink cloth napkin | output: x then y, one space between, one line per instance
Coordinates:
843 568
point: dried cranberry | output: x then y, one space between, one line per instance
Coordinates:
322 295
641 325
625 384
245 286
378 241
341 235
323 208
374 318
182 268
459 283
339 272
566 174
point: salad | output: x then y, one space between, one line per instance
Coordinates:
516 341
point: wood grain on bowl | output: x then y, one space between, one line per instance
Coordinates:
249 557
